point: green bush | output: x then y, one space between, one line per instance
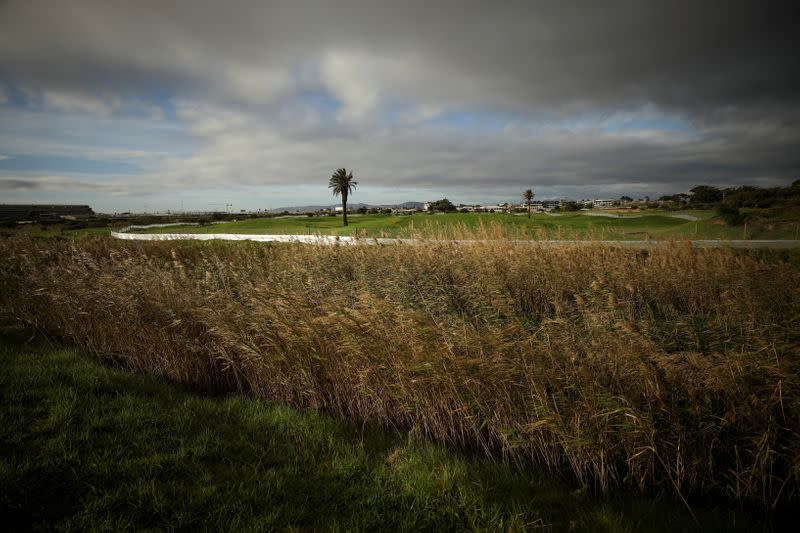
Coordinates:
731 215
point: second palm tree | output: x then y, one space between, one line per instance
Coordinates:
342 184
528 197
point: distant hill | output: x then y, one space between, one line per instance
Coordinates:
300 208
407 205
313 208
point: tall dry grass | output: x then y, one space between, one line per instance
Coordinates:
672 369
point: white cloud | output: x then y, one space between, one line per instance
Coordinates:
76 102
254 85
350 78
138 139
102 106
421 113
364 83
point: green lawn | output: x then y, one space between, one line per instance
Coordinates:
85 446
632 226
545 226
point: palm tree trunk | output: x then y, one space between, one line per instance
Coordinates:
344 208
529 210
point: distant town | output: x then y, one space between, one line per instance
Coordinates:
21 212
505 207
703 195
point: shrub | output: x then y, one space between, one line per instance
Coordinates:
674 369
443 205
731 215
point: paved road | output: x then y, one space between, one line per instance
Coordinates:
332 240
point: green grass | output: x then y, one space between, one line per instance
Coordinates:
632 226
85 446
546 226
566 226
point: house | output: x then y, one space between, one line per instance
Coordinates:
545 205
602 204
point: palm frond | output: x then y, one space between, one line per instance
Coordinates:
342 183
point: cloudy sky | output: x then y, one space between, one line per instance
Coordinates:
131 105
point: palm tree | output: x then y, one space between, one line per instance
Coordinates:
528 197
342 183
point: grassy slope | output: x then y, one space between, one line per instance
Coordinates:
86 446
566 226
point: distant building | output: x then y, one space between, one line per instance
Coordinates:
602 204
545 205
29 211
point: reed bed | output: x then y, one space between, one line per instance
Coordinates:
673 369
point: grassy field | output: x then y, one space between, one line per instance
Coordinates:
674 370
86 446
630 226
623 224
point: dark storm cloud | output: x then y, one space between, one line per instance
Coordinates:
728 68
686 55
59 184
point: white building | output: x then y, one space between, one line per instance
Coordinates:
602 204
545 205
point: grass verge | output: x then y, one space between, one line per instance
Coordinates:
87 446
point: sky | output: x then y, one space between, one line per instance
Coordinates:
168 105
